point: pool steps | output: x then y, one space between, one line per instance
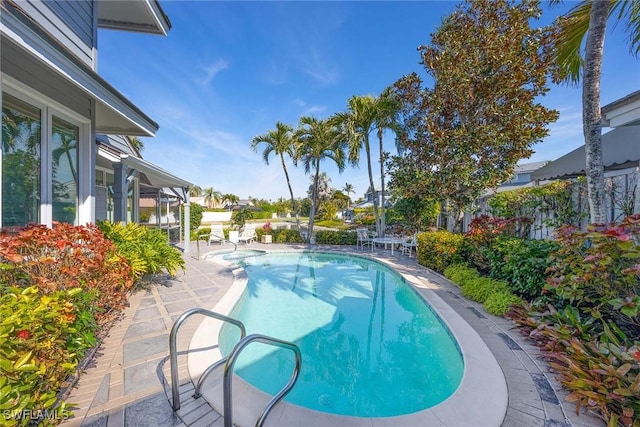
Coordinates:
229 362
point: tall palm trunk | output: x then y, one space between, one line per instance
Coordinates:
591 117
314 201
383 220
373 188
294 205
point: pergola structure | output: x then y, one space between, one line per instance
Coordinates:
153 183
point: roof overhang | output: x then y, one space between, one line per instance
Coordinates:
623 112
158 178
115 114
144 16
620 150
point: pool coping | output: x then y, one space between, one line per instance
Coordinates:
481 398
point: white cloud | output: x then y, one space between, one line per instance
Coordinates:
212 70
314 109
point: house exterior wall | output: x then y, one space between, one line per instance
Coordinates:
33 74
73 23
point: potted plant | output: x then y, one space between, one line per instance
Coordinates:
266 237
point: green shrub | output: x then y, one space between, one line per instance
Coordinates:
597 271
439 249
481 288
287 236
522 263
42 339
262 215
498 303
461 273
195 216
146 249
483 231
65 257
589 316
331 237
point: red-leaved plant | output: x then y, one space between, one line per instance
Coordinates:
67 257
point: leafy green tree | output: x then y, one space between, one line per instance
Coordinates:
417 212
489 68
317 140
340 199
280 141
239 218
282 206
195 216
589 19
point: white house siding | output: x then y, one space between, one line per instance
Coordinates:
69 22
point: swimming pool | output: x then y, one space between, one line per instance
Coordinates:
361 329
480 398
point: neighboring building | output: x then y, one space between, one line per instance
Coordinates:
621 160
241 204
521 175
367 202
521 178
621 157
54 104
623 112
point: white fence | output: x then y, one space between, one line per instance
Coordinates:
622 198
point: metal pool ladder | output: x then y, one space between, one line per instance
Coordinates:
229 362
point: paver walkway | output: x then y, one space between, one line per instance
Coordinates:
127 383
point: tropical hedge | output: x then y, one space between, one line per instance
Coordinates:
60 289
576 296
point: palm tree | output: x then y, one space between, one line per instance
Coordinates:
348 188
356 124
317 140
211 197
230 199
589 18
195 191
388 109
136 143
279 141
68 144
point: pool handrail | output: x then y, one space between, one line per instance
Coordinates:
173 350
228 370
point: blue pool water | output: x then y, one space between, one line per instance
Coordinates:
370 345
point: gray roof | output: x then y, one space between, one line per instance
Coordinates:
529 167
620 150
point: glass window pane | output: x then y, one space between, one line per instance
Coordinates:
20 162
100 177
64 152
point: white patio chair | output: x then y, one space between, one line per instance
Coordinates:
363 239
410 245
248 234
216 235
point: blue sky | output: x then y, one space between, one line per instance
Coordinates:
228 71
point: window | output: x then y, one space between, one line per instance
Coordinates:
64 167
100 180
21 137
42 176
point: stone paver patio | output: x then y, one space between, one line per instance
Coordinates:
127 382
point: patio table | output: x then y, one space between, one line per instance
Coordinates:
388 241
